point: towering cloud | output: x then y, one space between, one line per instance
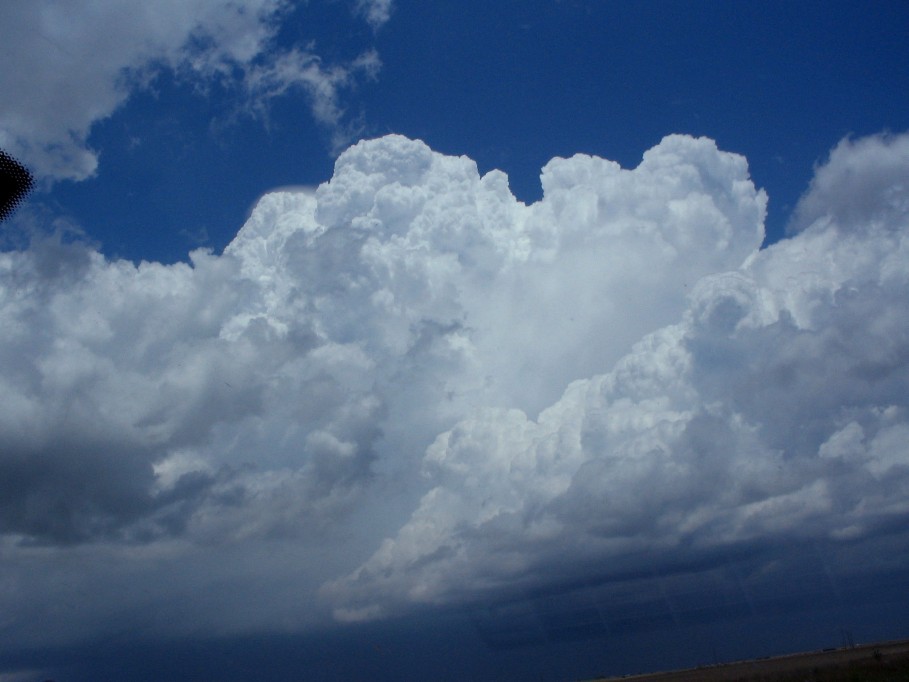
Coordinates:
424 391
775 409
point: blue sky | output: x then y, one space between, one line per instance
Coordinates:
451 340
511 85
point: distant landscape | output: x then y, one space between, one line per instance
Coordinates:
884 661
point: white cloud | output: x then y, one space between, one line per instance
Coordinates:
863 181
304 70
506 394
77 62
377 12
775 410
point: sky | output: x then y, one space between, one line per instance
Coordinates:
374 338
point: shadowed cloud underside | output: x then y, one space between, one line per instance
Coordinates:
405 388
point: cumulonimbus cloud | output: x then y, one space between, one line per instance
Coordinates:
436 392
775 409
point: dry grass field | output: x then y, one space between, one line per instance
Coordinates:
883 662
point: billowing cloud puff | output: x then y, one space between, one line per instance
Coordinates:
75 63
776 409
864 181
368 316
425 391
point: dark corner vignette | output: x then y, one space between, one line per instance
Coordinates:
15 183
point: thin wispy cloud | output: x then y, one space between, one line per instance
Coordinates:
377 12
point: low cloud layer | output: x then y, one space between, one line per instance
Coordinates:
406 388
74 64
